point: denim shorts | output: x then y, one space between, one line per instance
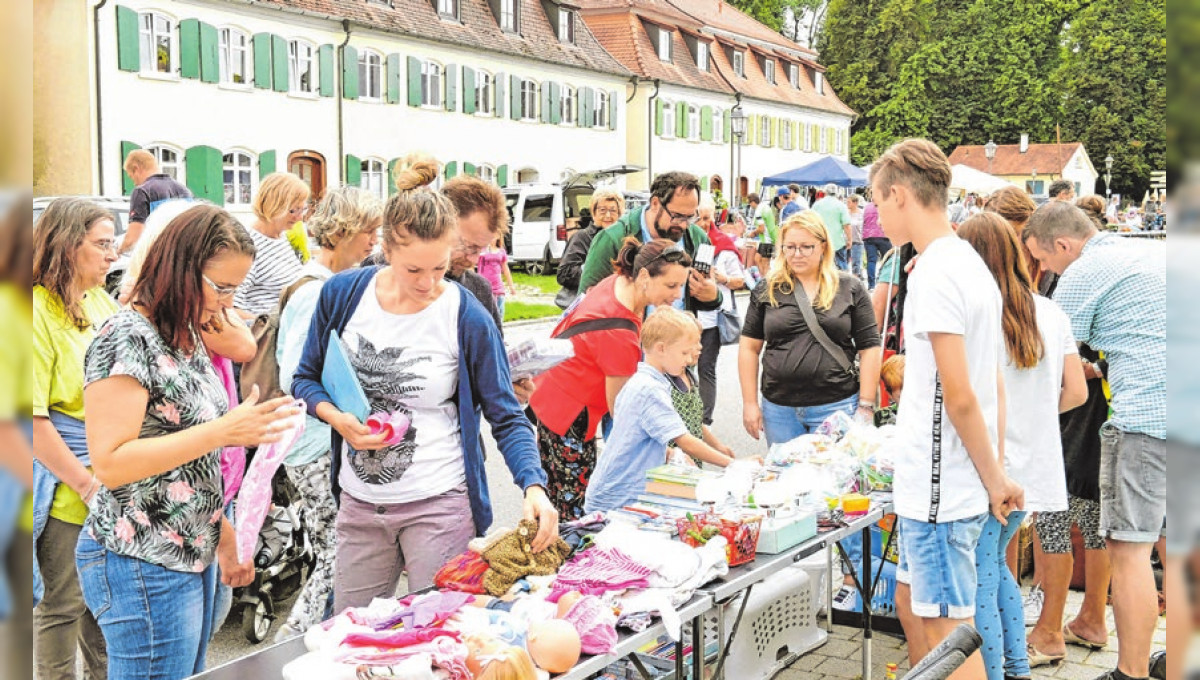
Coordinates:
1133 485
938 562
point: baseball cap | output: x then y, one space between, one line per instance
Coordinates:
783 191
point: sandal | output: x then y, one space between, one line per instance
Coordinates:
1073 639
1037 658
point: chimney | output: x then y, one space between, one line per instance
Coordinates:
1024 142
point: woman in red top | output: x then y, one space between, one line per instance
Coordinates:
571 398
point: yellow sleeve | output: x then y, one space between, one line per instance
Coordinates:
44 359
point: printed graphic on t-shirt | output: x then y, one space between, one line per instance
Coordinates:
388 383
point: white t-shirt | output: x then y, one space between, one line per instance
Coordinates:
950 291
1032 440
729 265
407 362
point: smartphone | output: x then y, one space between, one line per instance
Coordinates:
704 258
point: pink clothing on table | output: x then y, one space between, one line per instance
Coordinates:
255 496
448 654
595 623
491 267
397 638
597 571
233 458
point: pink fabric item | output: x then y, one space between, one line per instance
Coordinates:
233 458
394 425
397 638
255 495
448 654
597 571
595 623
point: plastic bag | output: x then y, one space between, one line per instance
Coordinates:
254 498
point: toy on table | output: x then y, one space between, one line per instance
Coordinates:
741 534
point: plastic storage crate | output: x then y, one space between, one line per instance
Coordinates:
779 625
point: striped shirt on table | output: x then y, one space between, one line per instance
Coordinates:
275 267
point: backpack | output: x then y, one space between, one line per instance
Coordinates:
263 369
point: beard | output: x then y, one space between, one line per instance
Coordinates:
458 265
670 231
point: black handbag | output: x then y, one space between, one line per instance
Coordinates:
818 333
766 250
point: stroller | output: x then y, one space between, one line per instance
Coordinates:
283 558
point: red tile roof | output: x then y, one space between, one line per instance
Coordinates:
476 28
625 37
1045 158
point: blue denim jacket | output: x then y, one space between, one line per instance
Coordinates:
12 496
44 482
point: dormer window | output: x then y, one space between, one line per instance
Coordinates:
447 9
794 75
769 70
664 44
819 82
508 15
566 25
739 63
702 55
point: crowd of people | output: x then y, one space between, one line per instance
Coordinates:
998 331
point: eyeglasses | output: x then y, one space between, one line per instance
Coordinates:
297 212
469 248
804 249
221 291
106 245
680 219
608 210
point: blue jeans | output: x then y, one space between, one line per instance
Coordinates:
856 259
842 259
876 248
156 622
938 562
500 306
785 423
999 613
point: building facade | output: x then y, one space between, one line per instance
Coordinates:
1033 167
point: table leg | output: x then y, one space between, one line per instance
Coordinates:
641 667
698 650
732 634
679 658
829 588
866 594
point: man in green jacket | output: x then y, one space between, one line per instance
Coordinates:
670 214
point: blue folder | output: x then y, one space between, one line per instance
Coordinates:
341 381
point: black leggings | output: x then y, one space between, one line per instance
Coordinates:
710 349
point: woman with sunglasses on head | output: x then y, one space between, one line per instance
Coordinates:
282 199
572 398
73 250
803 381
607 207
158 420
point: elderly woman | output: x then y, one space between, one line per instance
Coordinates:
282 199
573 397
803 383
607 207
158 419
73 249
346 227
424 348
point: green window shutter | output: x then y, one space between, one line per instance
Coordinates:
544 103
681 120
587 114
706 123
704 184
752 130
469 169
205 175
391 178
129 56
414 81
189 48
127 185
555 104
393 78
498 84
469 103
210 70
262 60
612 109
451 73
350 74
451 169
727 124
353 172
279 63
514 98
774 132
266 163
502 175
325 69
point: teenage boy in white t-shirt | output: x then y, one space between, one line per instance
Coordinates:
948 471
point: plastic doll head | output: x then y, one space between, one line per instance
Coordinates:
554 645
566 602
506 663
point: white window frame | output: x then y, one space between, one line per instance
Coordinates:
374 177
718 125
665 38
764 130
529 99
668 119
702 56
152 35
370 75
693 123
510 20
769 70
739 63
433 79
229 54
822 140
794 75
486 172
234 166
485 93
302 56
175 168
566 25
785 137
447 8
568 111
600 110
819 82
837 142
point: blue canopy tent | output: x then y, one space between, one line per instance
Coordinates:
826 170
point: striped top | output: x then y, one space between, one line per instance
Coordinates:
275 267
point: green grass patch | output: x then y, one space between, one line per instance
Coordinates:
547 285
516 311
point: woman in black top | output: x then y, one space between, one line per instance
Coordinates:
802 382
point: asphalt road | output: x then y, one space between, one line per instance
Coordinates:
229 642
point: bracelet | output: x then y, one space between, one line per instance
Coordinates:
866 404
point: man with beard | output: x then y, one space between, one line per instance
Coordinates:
671 214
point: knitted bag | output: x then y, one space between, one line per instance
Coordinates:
512 558
463 573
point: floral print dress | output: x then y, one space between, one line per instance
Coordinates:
172 519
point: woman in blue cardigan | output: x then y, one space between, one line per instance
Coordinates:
426 348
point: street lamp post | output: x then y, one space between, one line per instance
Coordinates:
989 150
737 121
1108 163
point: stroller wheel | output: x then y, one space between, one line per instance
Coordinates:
256 622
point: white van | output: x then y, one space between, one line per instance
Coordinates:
540 214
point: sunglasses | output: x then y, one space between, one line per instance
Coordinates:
668 256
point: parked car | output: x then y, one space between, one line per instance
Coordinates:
539 215
119 207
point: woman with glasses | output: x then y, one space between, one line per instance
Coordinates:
607 207
572 398
803 382
282 199
73 250
158 418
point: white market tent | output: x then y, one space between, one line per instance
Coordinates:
969 180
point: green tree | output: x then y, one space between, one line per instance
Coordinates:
769 12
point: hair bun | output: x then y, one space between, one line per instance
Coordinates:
421 173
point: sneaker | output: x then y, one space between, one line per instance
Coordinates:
1033 605
847 599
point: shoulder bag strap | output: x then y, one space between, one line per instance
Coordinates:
810 317
597 325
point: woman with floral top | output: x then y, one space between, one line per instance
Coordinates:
158 418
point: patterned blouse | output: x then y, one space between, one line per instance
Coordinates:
172 519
